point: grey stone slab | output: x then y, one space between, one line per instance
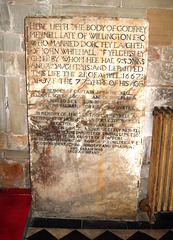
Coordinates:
23 97
11 42
158 96
145 171
147 3
14 154
148 124
19 12
159 73
2 153
127 12
69 10
167 54
4 16
21 2
13 86
21 63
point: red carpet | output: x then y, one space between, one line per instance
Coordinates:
14 208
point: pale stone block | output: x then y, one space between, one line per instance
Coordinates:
145 171
167 54
16 154
4 16
13 84
147 3
1 42
21 63
19 12
159 73
63 10
2 64
158 96
18 119
2 104
146 150
9 64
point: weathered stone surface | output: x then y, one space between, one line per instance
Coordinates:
4 16
13 154
17 119
158 96
160 73
143 188
147 3
85 124
167 54
11 42
27 10
1 64
154 53
21 63
11 174
21 2
146 150
17 142
145 171
26 168
13 84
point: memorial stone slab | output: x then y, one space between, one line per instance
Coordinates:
85 84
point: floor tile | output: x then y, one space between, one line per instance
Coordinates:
107 235
75 235
140 236
42 235
167 236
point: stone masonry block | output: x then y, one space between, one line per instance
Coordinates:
11 42
148 124
3 140
2 104
158 96
19 12
11 174
23 97
18 119
154 53
159 73
1 64
1 42
2 153
145 171
160 28
167 54
26 169
4 16
22 2
17 142
68 10
13 84
109 3
9 64
147 3
21 63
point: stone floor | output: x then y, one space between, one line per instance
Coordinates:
71 229
97 234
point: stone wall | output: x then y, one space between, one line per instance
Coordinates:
14 157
